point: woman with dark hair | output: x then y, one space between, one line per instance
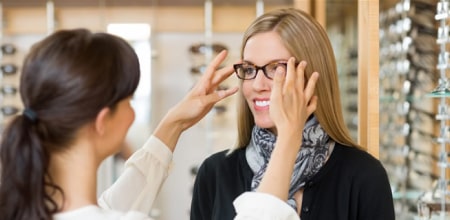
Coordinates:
76 88
331 176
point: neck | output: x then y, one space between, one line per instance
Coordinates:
75 172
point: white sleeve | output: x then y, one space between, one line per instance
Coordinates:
145 172
262 206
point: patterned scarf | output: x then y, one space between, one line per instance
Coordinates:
315 149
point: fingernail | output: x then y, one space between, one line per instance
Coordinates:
316 75
303 63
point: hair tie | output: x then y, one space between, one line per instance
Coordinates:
30 114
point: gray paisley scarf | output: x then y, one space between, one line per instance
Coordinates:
315 149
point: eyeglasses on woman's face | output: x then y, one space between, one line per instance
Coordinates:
247 71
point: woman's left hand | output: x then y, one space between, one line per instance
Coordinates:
204 95
197 103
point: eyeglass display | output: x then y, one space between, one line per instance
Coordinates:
200 52
8 89
8 68
10 103
8 49
410 136
9 110
440 193
203 48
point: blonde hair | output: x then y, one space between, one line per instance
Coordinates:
306 40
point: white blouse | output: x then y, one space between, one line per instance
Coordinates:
262 206
131 197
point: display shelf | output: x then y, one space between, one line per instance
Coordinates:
408 74
437 201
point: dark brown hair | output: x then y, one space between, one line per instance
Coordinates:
67 78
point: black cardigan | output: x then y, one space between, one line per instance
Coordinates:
352 185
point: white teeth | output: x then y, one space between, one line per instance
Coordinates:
262 103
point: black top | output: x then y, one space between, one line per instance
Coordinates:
352 185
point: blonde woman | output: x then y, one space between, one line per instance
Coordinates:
332 177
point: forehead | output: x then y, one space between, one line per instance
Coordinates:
265 47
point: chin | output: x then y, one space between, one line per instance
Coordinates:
267 124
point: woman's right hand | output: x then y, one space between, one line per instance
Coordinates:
292 100
197 103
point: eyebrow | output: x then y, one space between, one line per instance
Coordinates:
272 61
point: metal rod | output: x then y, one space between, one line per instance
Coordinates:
259 7
50 17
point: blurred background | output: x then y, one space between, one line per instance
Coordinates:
387 55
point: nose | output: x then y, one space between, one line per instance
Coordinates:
261 82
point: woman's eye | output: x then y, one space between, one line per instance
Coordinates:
272 68
248 70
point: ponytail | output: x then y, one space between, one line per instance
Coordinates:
59 86
25 185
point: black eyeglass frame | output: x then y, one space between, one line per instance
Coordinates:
257 68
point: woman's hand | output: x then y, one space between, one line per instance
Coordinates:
197 103
292 100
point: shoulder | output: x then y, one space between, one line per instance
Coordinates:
222 164
355 156
367 181
224 158
358 161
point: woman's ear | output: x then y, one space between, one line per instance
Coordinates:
101 121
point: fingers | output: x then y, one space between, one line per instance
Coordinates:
311 106
215 63
311 86
291 76
212 77
221 94
306 89
221 75
277 87
300 83
217 96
